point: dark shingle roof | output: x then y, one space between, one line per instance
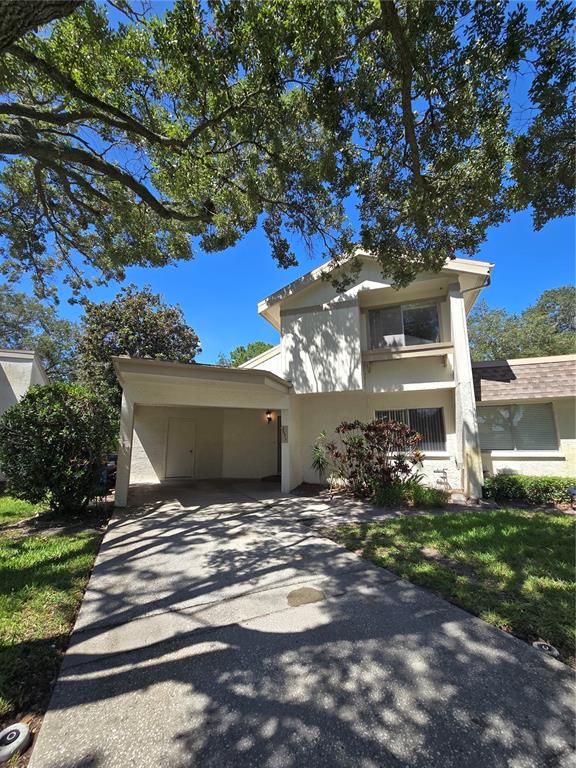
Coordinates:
527 378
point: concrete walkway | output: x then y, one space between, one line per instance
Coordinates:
219 632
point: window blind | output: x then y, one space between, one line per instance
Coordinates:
521 427
429 422
386 327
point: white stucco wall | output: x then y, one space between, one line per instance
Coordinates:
325 411
321 349
249 444
15 378
229 442
38 375
323 335
387 375
560 463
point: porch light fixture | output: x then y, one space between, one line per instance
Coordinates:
268 416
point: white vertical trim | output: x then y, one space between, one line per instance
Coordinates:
124 451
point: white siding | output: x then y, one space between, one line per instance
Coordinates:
396 375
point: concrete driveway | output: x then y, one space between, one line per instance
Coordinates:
219 631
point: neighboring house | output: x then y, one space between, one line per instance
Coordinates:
527 415
19 369
370 352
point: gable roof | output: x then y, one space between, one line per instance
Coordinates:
268 307
525 378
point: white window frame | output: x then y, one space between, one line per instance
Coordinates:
406 304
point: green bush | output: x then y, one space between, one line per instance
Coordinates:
532 490
52 444
391 495
412 492
429 497
368 455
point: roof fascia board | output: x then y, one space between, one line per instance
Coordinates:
193 372
22 354
468 266
262 357
524 361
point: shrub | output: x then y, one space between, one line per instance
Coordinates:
369 456
320 460
430 498
391 495
533 490
412 493
52 444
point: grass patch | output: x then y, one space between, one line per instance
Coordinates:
14 510
42 578
513 568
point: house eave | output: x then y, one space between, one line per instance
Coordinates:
268 308
125 366
262 357
25 356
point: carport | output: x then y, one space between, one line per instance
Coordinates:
183 422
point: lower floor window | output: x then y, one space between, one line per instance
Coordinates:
521 427
429 422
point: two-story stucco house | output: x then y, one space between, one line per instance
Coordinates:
371 352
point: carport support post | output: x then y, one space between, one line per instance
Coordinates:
467 436
124 451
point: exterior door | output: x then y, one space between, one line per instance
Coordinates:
181 449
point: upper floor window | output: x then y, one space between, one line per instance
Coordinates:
429 422
403 326
528 427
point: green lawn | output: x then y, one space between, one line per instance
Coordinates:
14 510
513 568
42 578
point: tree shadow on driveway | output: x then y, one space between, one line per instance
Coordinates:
379 673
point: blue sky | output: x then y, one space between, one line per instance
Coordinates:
219 292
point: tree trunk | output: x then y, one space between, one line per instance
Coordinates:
17 17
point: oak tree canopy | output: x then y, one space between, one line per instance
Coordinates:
133 138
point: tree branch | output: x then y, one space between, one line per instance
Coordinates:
211 121
79 180
393 23
11 144
127 122
108 113
55 118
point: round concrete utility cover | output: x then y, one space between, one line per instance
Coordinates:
305 595
14 740
547 648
